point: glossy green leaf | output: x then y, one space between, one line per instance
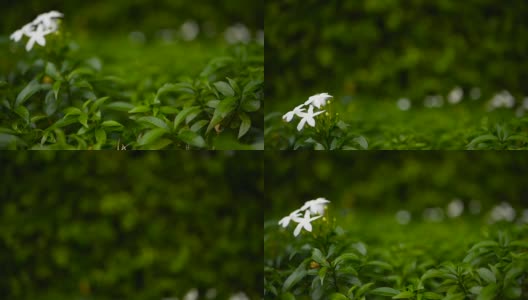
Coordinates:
151 136
224 88
192 138
245 124
31 88
224 108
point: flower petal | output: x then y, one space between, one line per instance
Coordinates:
311 121
297 229
301 124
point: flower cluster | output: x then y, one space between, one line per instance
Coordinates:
315 101
312 207
36 30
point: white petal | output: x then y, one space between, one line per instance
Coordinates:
29 44
308 226
310 121
297 230
301 124
40 40
17 35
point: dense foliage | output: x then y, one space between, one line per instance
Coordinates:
400 225
381 259
404 74
145 15
386 181
394 48
167 89
130 226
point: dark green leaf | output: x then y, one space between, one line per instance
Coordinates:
51 71
244 125
250 105
224 88
151 136
226 106
31 88
192 138
120 106
404 295
100 136
295 276
157 122
385 291
183 114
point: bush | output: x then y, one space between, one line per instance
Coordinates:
130 226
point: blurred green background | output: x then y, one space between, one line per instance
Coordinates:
144 15
381 182
120 225
379 48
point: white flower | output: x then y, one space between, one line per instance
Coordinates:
304 222
286 220
308 117
36 30
289 115
318 100
315 206
36 36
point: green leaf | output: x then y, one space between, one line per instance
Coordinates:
484 244
295 276
31 88
51 71
482 138
139 109
432 273
318 256
322 274
79 71
183 87
489 292
65 121
157 122
234 85
244 125
199 125
288 296
111 123
169 110
50 104
119 106
183 114
379 264
404 295
224 108
151 136
363 289
362 141
251 86
250 105
98 103
344 257
72 111
192 138
100 136
224 88
56 88
385 291
23 113
487 275
337 296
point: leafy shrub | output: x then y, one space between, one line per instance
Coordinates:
130 226
55 99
